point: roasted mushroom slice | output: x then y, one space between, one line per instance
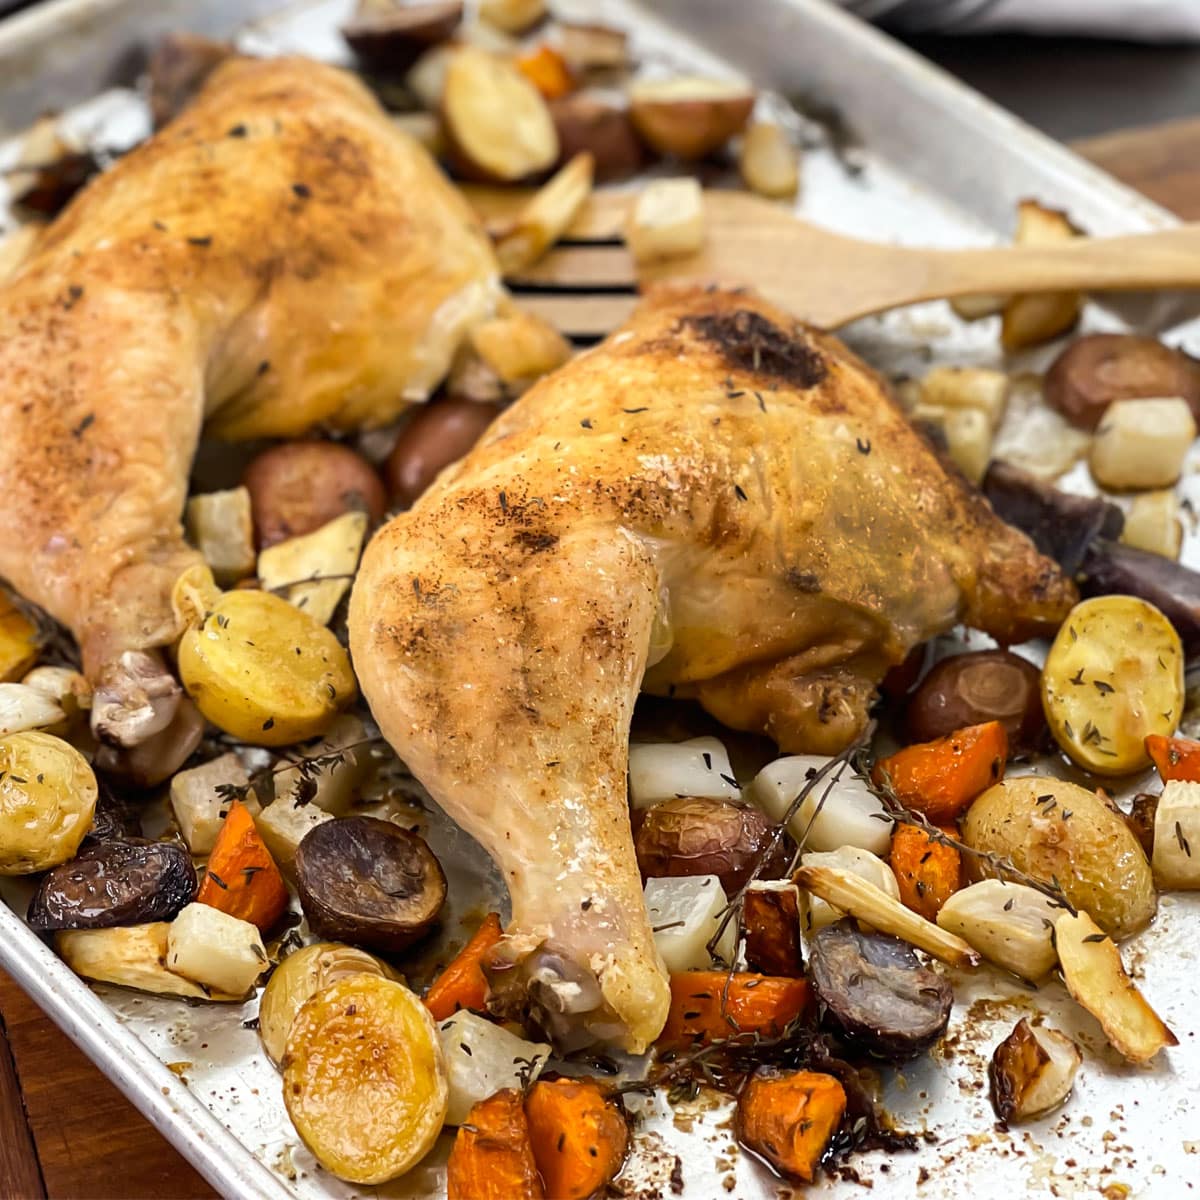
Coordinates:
875 993
115 883
369 882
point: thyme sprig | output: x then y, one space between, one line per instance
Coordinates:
308 768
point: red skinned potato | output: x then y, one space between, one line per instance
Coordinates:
1094 371
437 435
603 130
391 35
689 116
299 486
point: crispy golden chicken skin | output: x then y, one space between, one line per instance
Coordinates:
279 257
715 482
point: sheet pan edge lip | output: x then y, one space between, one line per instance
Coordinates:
222 1158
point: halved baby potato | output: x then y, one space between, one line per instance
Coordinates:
687 115
265 671
364 1078
1113 675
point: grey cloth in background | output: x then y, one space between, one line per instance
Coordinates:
1133 20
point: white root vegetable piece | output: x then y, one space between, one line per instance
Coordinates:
662 770
1096 979
427 78
968 435
866 902
23 707
1038 317
512 16
666 220
496 121
1176 858
15 248
850 816
1032 1072
520 348
684 913
1034 436
199 809
283 825
689 116
1152 523
975 308
546 217
338 784
328 555
47 801
217 951
593 47
817 912
769 162
976 388
482 1058
1141 444
70 690
1008 923
220 526
1130 661
132 956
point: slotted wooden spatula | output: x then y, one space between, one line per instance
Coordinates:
588 283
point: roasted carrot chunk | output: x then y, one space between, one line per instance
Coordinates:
928 872
763 1004
241 878
771 923
547 70
1175 758
789 1118
463 984
941 778
492 1156
579 1135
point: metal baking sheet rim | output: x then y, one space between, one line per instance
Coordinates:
1029 161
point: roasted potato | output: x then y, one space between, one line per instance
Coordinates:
436 435
265 671
520 347
593 47
1032 1072
1052 830
769 162
18 640
297 487
1039 316
1113 675
590 125
299 977
391 36
689 116
690 835
47 798
364 1079
512 16
969 689
1095 370
498 127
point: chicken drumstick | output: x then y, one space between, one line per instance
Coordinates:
715 481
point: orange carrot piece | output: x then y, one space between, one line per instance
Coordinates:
928 872
941 778
547 70
764 1004
241 878
492 1156
789 1118
463 984
1175 758
579 1134
771 923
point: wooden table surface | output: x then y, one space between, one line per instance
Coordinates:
65 1131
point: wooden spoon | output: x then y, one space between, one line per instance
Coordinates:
588 283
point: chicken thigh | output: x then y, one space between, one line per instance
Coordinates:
280 257
715 502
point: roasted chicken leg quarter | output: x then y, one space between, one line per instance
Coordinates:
716 502
279 257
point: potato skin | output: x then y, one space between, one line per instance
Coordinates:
299 486
436 435
688 128
693 836
604 130
1096 858
1094 371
